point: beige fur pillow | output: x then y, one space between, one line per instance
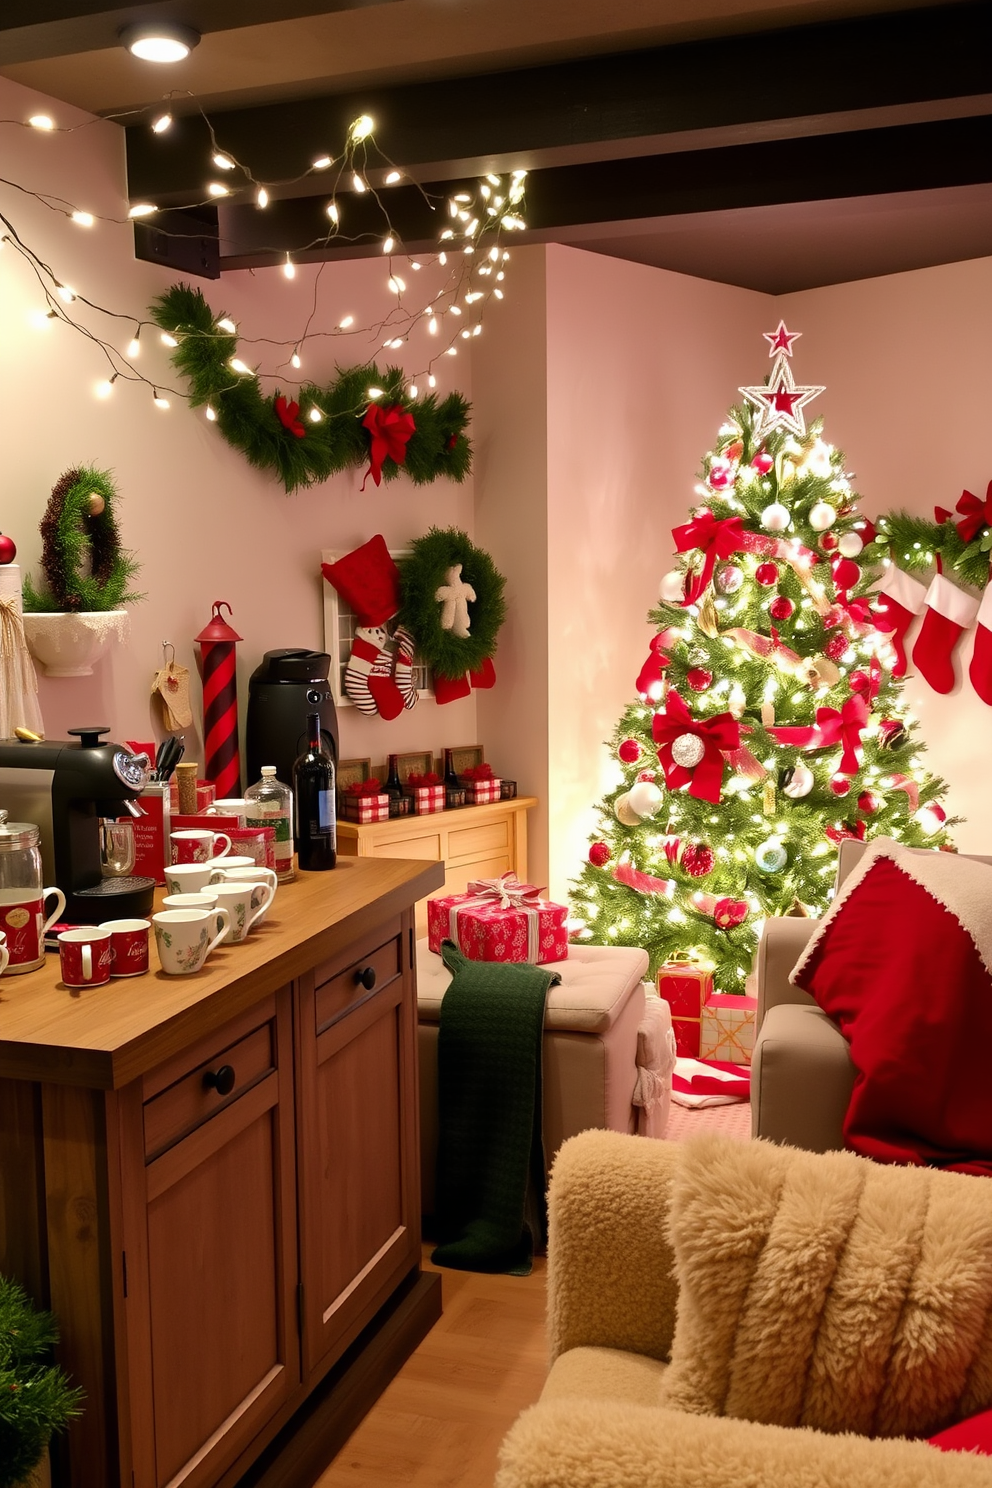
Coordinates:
829 1291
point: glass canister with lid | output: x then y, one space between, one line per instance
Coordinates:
26 908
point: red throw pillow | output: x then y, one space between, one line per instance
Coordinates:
896 962
973 1435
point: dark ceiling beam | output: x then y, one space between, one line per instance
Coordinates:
799 81
61 28
866 163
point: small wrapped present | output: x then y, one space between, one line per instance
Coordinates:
364 801
499 919
727 1028
685 986
426 792
482 787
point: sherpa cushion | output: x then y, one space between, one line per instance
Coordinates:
824 1290
903 962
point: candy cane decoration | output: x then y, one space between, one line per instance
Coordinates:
220 703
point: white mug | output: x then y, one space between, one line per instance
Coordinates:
183 937
205 899
4 953
246 902
237 806
187 878
254 874
198 845
231 860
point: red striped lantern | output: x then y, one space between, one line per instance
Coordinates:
220 703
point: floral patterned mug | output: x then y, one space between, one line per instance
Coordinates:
184 938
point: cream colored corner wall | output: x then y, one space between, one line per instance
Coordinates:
907 363
204 524
642 367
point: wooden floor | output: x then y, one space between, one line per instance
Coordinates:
441 1420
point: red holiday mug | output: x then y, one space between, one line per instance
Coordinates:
85 956
129 941
23 921
190 845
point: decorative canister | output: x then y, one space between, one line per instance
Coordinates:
23 901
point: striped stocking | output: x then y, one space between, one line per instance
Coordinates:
368 676
403 667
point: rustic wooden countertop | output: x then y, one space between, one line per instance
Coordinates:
105 1037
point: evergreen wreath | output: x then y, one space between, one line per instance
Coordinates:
35 1396
422 573
69 525
300 451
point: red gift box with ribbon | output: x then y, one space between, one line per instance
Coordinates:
482 787
427 792
363 802
685 986
499 919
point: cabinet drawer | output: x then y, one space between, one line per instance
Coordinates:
190 1101
479 842
427 847
344 991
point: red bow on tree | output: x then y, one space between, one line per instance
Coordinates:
831 727
676 727
652 673
845 833
975 514
716 539
289 416
390 429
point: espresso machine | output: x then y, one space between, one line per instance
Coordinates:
282 690
68 788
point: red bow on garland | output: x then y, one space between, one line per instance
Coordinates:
975 514
289 416
715 734
831 727
716 539
390 429
845 834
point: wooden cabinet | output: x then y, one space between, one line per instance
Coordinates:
471 842
214 1182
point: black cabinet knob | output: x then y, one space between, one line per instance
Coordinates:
221 1080
365 977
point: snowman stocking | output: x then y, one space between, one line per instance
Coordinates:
949 611
900 599
403 667
980 670
368 678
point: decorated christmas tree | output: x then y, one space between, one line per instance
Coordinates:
767 725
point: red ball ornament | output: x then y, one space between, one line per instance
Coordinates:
648 775
827 542
846 573
868 803
721 473
781 608
762 462
699 679
698 859
834 617
629 751
7 550
766 574
599 854
836 646
860 682
729 912
840 785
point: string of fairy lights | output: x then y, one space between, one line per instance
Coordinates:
470 251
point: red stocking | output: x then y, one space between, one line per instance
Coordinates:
980 670
949 611
900 599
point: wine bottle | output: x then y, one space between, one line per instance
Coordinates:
451 780
394 785
313 785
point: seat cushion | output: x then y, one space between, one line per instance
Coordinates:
596 984
802 1076
605 1374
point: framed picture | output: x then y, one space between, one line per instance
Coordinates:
353 772
467 756
415 764
340 624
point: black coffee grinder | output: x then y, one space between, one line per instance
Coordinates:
67 789
286 687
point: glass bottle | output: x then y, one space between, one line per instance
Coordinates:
273 807
313 783
451 780
393 786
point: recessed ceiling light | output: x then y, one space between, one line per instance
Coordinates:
160 41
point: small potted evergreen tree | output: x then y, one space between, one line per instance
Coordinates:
36 1399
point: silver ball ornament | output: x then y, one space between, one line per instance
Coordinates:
623 812
775 518
770 856
645 798
688 751
822 516
849 545
671 590
729 579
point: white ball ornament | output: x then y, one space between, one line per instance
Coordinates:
817 461
801 782
729 579
822 516
645 798
775 518
624 813
770 856
849 545
671 590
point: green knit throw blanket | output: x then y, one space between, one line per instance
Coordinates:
490 1154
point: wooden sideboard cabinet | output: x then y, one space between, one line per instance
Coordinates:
214 1182
471 842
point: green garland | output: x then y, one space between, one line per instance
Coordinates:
35 1396
248 419
67 528
422 572
914 543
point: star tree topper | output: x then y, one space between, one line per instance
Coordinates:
780 403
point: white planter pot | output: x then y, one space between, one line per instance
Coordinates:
68 645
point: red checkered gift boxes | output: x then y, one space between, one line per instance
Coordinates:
685 986
363 802
499 919
727 1026
426 792
482 787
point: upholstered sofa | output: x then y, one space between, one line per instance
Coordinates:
801 1070
612 1298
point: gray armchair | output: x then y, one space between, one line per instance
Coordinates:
801 1071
